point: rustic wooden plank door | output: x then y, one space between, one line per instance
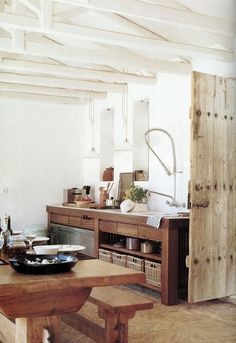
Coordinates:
212 258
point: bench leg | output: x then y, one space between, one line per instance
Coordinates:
116 325
38 330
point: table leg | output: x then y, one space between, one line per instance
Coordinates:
38 329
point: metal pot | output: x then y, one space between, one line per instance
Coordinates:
132 243
112 203
146 247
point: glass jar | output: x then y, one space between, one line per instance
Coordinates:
16 245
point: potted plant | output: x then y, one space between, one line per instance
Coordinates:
138 195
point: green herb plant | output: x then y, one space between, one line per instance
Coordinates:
137 194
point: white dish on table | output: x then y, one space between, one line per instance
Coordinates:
45 250
69 248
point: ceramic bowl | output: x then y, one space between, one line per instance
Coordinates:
54 263
127 205
45 250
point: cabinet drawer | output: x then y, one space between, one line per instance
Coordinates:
59 219
147 233
87 223
75 221
127 229
108 226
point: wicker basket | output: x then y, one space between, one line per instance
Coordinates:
135 263
119 259
105 255
153 273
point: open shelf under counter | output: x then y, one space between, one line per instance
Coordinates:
173 234
155 257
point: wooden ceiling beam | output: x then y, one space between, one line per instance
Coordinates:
46 13
2 5
75 73
42 98
45 81
114 38
32 5
68 14
124 59
125 22
157 13
18 41
32 89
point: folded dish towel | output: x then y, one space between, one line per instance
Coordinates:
155 220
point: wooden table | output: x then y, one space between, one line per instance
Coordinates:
38 301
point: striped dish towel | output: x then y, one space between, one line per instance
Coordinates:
155 220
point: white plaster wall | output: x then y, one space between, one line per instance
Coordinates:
169 104
40 155
223 69
169 110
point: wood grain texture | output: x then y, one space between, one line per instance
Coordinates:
212 271
31 330
117 300
116 307
38 295
209 321
7 330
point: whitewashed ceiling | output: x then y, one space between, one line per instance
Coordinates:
84 46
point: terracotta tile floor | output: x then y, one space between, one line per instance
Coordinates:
206 322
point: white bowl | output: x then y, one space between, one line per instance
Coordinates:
45 250
126 205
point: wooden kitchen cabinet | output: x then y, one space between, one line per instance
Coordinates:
171 240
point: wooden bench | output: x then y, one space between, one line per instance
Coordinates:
116 307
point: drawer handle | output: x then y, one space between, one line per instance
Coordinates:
85 216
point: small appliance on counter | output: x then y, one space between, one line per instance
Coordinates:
76 197
74 194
